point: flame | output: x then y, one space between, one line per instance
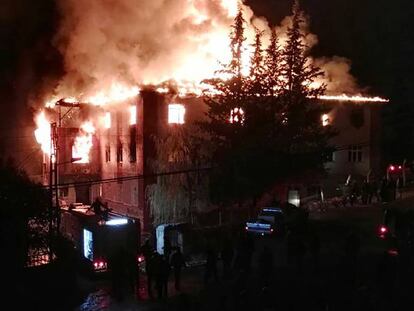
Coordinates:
83 143
325 119
354 98
42 133
132 115
116 93
237 115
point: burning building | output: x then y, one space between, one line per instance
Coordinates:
104 142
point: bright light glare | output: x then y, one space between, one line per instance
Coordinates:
325 120
117 222
132 115
107 120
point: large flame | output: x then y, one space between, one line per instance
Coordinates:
110 50
42 133
354 98
83 143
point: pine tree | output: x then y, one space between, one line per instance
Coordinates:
256 79
305 138
278 131
273 60
227 104
237 45
297 68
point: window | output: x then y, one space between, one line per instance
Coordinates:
133 144
108 153
107 120
119 155
355 153
330 156
64 191
325 120
176 114
356 117
88 244
133 115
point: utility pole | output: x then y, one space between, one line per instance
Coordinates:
53 186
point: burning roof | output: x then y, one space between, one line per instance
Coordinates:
112 48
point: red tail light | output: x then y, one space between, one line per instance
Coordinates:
99 265
393 252
140 259
383 230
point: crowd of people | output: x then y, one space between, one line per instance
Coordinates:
238 261
233 259
370 191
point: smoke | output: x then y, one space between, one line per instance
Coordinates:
130 42
338 78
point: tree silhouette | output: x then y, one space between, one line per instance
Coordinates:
266 126
176 197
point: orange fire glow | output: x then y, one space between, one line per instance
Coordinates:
132 115
237 115
354 98
107 120
42 133
116 93
83 143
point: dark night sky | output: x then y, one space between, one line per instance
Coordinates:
376 35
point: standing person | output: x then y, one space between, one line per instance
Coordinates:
266 266
365 192
167 247
352 248
314 248
383 190
146 250
211 266
150 263
227 254
131 272
300 251
117 267
165 269
248 250
177 262
290 247
158 274
354 193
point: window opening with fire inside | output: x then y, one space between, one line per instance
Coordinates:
176 113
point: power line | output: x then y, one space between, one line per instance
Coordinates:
128 178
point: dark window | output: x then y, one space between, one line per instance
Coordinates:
357 117
355 154
119 155
329 157
133 144
64 191
108 153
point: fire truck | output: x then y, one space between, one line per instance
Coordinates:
96 238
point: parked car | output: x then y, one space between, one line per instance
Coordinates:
270 221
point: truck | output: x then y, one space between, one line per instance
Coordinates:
97 239
270 221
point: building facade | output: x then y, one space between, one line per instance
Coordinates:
119 168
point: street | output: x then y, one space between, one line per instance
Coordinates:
335 283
